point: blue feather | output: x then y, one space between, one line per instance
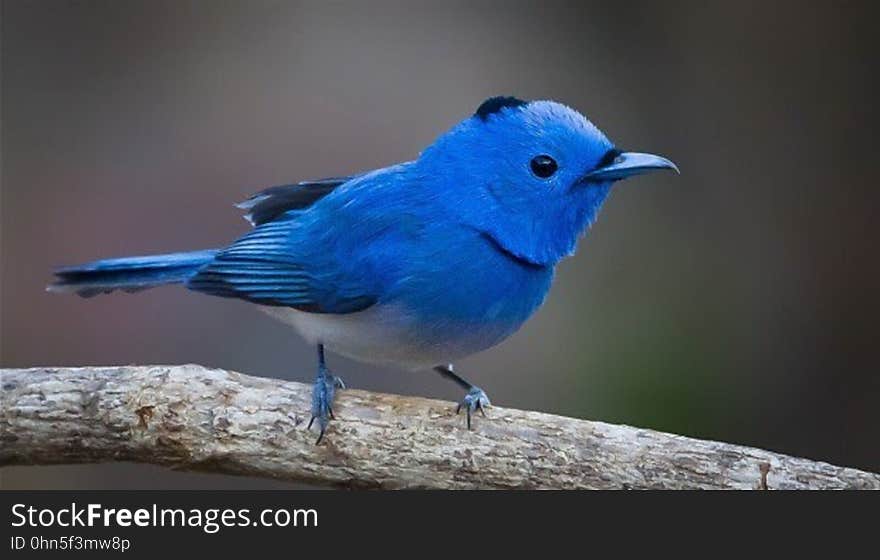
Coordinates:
130 274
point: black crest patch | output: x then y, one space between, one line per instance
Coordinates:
495 104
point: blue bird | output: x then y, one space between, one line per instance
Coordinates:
417 264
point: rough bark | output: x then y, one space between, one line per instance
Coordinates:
192 418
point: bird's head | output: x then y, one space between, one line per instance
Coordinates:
531 175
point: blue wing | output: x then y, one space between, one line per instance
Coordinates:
327 246
262 267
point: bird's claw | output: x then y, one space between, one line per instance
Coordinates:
322 400
476 399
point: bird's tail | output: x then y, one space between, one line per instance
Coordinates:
130 274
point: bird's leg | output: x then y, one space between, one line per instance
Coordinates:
322 395
475 399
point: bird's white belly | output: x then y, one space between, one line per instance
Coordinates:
382 335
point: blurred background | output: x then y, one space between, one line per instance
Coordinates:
737 301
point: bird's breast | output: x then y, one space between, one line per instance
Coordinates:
444 301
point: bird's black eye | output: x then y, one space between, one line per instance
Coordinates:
544 166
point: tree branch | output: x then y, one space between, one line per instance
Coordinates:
192 418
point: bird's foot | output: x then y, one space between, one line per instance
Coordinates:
476 399
323 393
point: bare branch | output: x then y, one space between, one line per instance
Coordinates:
192 418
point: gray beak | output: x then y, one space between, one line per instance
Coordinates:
628 164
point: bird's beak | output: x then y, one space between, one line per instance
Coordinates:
628 164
